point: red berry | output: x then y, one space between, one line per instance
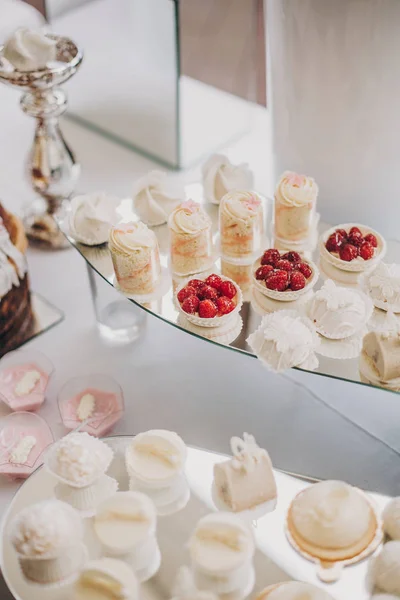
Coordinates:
214 281
305 269
264 271
293 257
367 251
278 281
207 309
190 305
334 242
348 252
228 289
225 305
342 232
184 293
371 239
354 230
207 293
355 237
297 281
284 265
270 257
196 283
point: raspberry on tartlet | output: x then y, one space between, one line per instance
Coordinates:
284 265
228 289
264 271
297 281
185 293
305 269
278 282
355 237
367 251
190 305
270 257
334 242
225 305
206 292
371 239
291 256
214 281
348 252
207 309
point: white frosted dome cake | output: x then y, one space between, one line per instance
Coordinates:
383 286
337 312
391 519
294 590
332 519
386 569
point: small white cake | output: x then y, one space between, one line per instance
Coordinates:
106 579
29 50
391 519
284 340
246 480
220 176
154 198
383 286
294 590
337 312
48 540
91 217
385 569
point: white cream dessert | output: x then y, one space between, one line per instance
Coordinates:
337 312
191 239
241 224
284 340
136 258
154 199
383 286
91 217
156 457
295 202
220 176
391 519
27 383
294 590
185 587
332 520
246 480
125 521
385 569
19 454
106 579
48 540
29 50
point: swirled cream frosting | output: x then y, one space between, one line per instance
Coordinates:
220 176
296 190
29 50
154 198
91 217
241 205
189 218
131 237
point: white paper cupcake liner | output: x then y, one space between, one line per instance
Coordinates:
225 334
55 572
161 288
264 305
250 515
86 499
341 349
288 295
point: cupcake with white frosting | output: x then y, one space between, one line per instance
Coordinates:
29 50
241 225
331 521
385 569
383 286
191 239
293 590
338 312
285 340
125 525
136 258
91 217
154 198
295 204
391 519
221 551
79 463
220 176
106 579
48 539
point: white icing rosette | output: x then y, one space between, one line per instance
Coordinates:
91 217
155 198
285 339
220 176
383 286
29 50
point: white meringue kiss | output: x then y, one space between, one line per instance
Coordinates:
154 199
91 217
29 50
220 176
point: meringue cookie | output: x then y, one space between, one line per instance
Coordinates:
91 217
29 50
385 569
220 176
383 286
154 199
284 340
391 519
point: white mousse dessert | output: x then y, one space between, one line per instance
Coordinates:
91 217
106 579
220 176
29 50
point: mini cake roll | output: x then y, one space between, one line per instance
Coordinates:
106 579
383 350
247 479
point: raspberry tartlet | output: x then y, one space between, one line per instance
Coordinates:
283 276
352 247
209 302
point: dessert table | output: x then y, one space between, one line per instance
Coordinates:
310 425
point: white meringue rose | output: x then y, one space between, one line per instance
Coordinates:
92 217
29 50
154 198
220 176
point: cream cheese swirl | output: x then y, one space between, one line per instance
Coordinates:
131 237
189 218
296 190
241 205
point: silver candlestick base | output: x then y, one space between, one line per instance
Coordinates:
52 167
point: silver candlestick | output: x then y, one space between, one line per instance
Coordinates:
52 167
